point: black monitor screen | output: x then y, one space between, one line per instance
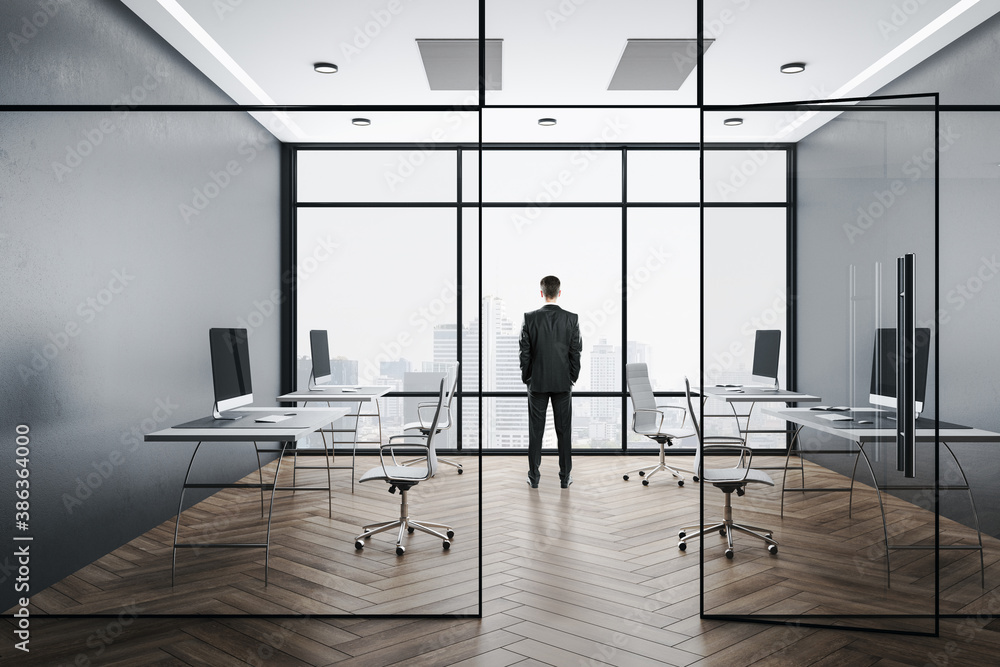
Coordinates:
885 361
320 350
230 363
766 350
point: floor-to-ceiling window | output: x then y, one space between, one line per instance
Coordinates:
619 225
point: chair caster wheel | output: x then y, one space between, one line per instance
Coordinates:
400 550
682 534
680 482
446 544
729 554
696 478
359 545
682 546
772 548
409 530
450 534
460 471
645 482
768 535
625 477
642 473
722 531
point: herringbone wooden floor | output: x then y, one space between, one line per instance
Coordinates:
586 575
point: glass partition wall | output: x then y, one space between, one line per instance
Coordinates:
857 538
678 238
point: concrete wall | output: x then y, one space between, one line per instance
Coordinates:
126 235
846 165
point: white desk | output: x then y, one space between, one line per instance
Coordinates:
307 421
861 435
753 396
356 394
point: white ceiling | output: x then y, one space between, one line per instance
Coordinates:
554 53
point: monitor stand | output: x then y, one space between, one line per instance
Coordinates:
312 386
219 416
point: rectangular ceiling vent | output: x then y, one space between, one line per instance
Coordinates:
656 64
453 64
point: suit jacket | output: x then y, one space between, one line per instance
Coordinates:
550 349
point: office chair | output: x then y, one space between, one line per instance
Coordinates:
647 420
404 478
727 480
423 423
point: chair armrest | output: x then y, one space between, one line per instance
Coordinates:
746 454
636 411
676 407
392 446
420 418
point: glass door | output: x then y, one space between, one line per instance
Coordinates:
851 495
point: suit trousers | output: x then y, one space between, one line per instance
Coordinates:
562 414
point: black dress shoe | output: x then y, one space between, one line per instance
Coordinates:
533 485
565 484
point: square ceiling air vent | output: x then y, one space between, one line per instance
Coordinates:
453 64
656 64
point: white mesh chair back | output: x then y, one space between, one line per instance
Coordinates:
641 392
697 428
432 462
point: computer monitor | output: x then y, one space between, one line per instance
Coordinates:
766 348
885 362
230 370
320 350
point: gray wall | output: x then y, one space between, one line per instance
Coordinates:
837 168
109 284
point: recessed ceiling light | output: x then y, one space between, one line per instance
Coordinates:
733 122
325 68
793 68
361 122
546 122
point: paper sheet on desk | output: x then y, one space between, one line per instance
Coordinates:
834 418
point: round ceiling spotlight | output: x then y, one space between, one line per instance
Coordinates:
361 122
325 68
733 122
793 68
546 122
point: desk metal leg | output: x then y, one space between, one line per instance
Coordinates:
270 509
177 521
260 479
784 475
881 506
906 487
329 479
975 515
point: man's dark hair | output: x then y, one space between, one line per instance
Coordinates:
550 287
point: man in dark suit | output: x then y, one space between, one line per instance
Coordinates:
550 365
